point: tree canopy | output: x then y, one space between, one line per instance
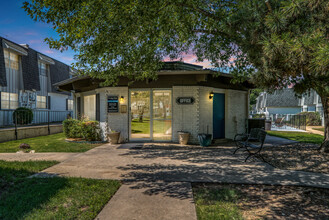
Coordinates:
280 40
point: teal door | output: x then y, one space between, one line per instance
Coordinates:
219 116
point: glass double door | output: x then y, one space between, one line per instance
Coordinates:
151 115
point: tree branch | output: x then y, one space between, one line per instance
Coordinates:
202 11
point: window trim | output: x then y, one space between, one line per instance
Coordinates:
37 103
9 101
10 60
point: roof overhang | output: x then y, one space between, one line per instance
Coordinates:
45 59
13 47
201 77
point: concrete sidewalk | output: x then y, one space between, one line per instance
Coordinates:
157 177
275 141
151 201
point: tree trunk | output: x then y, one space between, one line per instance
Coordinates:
325 105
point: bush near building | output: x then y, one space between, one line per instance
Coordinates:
22 116
312 118
88 130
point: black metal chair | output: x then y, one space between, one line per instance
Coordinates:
258 136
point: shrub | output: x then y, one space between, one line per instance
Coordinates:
312 118
91 130
258 116
24 116
72 128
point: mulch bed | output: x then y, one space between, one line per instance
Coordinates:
278 202
300 156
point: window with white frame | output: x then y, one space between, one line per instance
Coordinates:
41 102
43 75
9 100
43 68
70 104
11 60
89 106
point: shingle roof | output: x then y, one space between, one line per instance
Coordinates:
282 98
178 65
30 69
58 73
309 98
3 80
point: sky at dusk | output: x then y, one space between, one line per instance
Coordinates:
18 27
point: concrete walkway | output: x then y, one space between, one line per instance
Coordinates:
275 141
313 131
156 179
151 201
37 156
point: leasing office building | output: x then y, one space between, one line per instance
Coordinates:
26 80
185 97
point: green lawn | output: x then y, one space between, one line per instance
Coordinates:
213 204
298 136
144 127
49 143
49 198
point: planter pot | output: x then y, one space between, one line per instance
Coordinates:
113 137
183 137
204 139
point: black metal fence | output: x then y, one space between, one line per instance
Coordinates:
297 121
283 121
23 118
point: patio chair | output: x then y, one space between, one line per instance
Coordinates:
252 136
256 134
279 122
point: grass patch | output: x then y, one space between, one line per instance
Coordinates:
319 129
218 203
49 143
159 126
298 136
53 198
244 201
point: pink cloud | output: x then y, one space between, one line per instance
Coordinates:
192 59
48 51
67 58
35 41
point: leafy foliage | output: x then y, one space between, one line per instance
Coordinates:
283 42
24 116
91 130
72 128
312 118
253 96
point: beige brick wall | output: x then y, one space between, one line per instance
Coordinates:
116 121
192 118
186 117
236 112
198 118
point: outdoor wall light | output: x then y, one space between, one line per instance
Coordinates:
122 99
211 95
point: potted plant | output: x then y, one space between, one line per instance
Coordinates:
113 137
205 139
183 137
